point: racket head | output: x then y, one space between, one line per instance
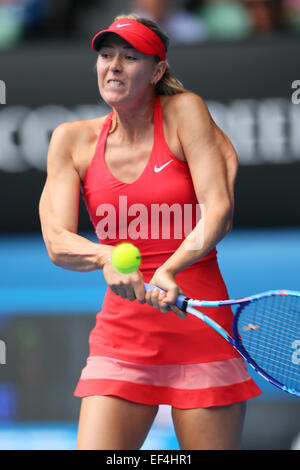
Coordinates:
266 331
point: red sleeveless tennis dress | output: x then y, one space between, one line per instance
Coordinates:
136 352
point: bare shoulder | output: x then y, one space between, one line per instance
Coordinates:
196 128
70 134
185 104
193 117
72 142
184 112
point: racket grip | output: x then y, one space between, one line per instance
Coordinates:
180 298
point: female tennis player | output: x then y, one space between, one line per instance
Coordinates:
157 149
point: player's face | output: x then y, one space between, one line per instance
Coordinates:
123 72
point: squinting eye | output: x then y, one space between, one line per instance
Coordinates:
132 58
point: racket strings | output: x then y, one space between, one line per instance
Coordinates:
273 342
269 329
260 357
263 348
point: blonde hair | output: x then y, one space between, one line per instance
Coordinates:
168 84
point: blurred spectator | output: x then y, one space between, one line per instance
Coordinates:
48 18
224 19
291 15
41 19
11 22
266 15
237 19
53 18
180 25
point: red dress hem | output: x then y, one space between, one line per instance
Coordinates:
155 395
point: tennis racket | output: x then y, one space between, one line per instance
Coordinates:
266 332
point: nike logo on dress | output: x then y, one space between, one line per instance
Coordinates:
157 170
121 25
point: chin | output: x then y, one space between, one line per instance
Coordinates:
113 99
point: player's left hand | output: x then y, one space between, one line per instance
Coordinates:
164 301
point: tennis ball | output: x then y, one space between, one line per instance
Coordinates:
126 258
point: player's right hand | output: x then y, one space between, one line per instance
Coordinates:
128 286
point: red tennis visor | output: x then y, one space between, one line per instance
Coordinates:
142 38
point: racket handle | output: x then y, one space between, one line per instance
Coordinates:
180 298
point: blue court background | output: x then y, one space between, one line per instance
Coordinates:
251 261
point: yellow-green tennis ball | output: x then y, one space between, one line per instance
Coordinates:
126 258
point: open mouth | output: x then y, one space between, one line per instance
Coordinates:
115 83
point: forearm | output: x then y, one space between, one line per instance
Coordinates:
76 253
209 231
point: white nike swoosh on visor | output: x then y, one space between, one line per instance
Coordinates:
122 25
157 170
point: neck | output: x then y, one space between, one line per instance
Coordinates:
132 121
